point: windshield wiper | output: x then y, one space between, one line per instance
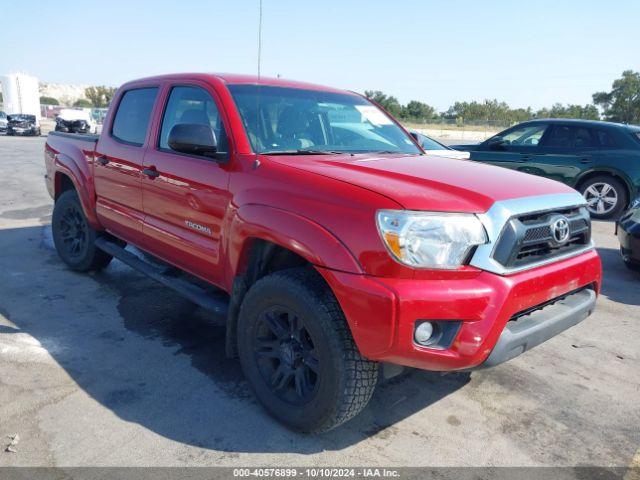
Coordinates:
391 152
302 151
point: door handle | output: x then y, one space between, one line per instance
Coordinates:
102 160
525 158
151 172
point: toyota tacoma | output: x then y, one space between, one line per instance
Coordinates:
317 230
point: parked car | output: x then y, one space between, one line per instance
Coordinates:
75 121
600 159
23 124
628 232
3 122
433 147
330 251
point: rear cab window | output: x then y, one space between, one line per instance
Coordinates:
131 122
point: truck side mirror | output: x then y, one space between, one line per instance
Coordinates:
193 139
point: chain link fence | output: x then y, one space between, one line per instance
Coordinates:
457 129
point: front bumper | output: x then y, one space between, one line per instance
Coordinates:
525 332
22 131
382 312
628 232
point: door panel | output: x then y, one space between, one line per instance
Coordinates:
563 167
118 164
516 146
119 198
500 158
185 207
565 152
185 204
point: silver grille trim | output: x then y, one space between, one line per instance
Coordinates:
501 212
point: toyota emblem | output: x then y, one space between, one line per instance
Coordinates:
560 229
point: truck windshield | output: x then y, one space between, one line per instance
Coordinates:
282 120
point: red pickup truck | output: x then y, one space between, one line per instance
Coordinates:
319 232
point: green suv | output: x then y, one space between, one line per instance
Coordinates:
599 159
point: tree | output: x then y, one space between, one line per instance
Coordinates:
83 103
622 103
416 110
489 110
49 101
101 96
389 103
587 112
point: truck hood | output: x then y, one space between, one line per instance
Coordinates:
427 182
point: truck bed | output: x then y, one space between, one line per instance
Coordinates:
84 137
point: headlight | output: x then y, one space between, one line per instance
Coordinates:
430 239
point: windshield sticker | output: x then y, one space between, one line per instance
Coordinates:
344 116
373 115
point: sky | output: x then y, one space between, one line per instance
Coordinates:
435 51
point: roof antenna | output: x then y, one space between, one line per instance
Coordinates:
256 163
259 36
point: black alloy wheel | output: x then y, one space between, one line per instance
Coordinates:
73 237
285 355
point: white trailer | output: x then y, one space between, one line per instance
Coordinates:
20 94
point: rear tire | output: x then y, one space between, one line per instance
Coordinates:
73 237
297 352
606 196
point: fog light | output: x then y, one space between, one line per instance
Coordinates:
423 333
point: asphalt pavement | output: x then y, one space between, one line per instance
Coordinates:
114 369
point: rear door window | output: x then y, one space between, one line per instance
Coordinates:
569 137
606 139
583 139
132 117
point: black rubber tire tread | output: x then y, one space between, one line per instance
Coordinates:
357 376
621 189
633 266
93 259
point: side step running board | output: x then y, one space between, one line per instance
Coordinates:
213 302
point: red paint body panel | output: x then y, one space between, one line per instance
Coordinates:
74 160
431 183
382 312
321 207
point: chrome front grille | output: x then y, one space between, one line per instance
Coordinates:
529 238
520 234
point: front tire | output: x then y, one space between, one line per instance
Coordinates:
73 237
633 266
606 196
297 352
